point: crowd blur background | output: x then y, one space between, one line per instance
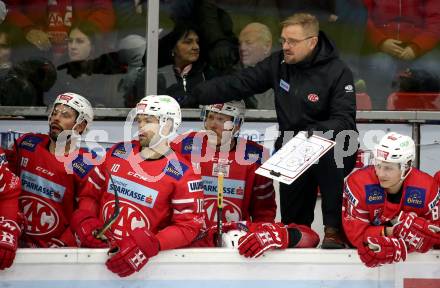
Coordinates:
97 48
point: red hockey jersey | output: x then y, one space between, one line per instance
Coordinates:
246 195
48 194
162 195
366 209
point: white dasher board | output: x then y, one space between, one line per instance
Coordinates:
295 157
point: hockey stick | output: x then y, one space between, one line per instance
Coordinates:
219 206
100 232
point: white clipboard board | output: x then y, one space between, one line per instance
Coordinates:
295 157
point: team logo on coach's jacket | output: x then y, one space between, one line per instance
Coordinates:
375 194
41 217
313 97
349 88
130 217
435 201
232 188
415 197
133 191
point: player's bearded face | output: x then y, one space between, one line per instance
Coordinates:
148 130
220 124
62 118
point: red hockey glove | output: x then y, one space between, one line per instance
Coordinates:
417 232
264 237
54 243
9 232
83 225
382 250
130 254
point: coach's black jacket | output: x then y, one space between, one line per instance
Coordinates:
317 93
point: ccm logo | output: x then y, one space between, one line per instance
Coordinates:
44 171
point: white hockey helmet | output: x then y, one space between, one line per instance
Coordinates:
230 238
164 107
396 148
79 104
234 108
3 11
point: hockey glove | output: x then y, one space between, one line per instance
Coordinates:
83 225
208 237
264 237
382 250
310 130
9 232
130 254
417 232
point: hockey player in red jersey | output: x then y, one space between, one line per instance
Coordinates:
247 196
437 177
49 180
9 228
161 198
391 209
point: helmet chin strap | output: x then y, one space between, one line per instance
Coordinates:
162 136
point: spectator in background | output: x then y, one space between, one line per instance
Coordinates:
255 42
46 23
391 209
50 183
131 17
314 91
188 68
400 35
101 90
